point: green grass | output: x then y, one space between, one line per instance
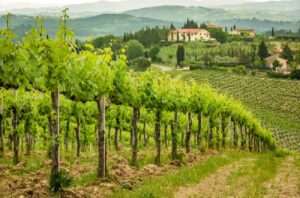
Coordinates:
27 164
276 102
86 179
265 168
248 180
165 185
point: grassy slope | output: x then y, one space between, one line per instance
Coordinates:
263 168
276 102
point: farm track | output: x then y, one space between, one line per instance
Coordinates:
215 185
286 183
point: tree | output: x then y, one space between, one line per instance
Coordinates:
203 26
263 51
134 49
295 74
172 27
190 24
287 53
104 41
273 32
218 34
276 64
180 54
154 51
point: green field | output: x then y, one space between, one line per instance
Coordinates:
275 102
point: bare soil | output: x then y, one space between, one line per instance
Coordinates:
16 182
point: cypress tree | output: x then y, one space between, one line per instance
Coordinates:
273 32
172 27
287 53
263 51
180 54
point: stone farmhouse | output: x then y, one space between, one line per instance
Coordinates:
283 62
188 35
243 32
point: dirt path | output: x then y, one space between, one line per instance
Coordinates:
286 183
162 67
214 185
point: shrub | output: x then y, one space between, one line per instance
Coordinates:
217 68
295 74
134 49
253 73
277 75
193 64
60 180
141 63
240 70
282 153
146 54
154 51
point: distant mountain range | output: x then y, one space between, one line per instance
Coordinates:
244 8
98 18
98 25
98 7
181 13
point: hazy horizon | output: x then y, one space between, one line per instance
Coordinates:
19 4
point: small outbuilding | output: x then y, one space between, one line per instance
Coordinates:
283 63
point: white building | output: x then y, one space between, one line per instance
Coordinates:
188 35
243 32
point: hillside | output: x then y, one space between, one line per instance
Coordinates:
163 9
273 10
260 21
181 13
104 6
83 27
268 6
261 26
275 102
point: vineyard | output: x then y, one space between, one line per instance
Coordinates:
275 102
77 121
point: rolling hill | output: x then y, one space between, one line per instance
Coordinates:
259 21
83 27
285 10
100 7
181 13
273 10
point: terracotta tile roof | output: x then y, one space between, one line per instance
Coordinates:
190 30
275 57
